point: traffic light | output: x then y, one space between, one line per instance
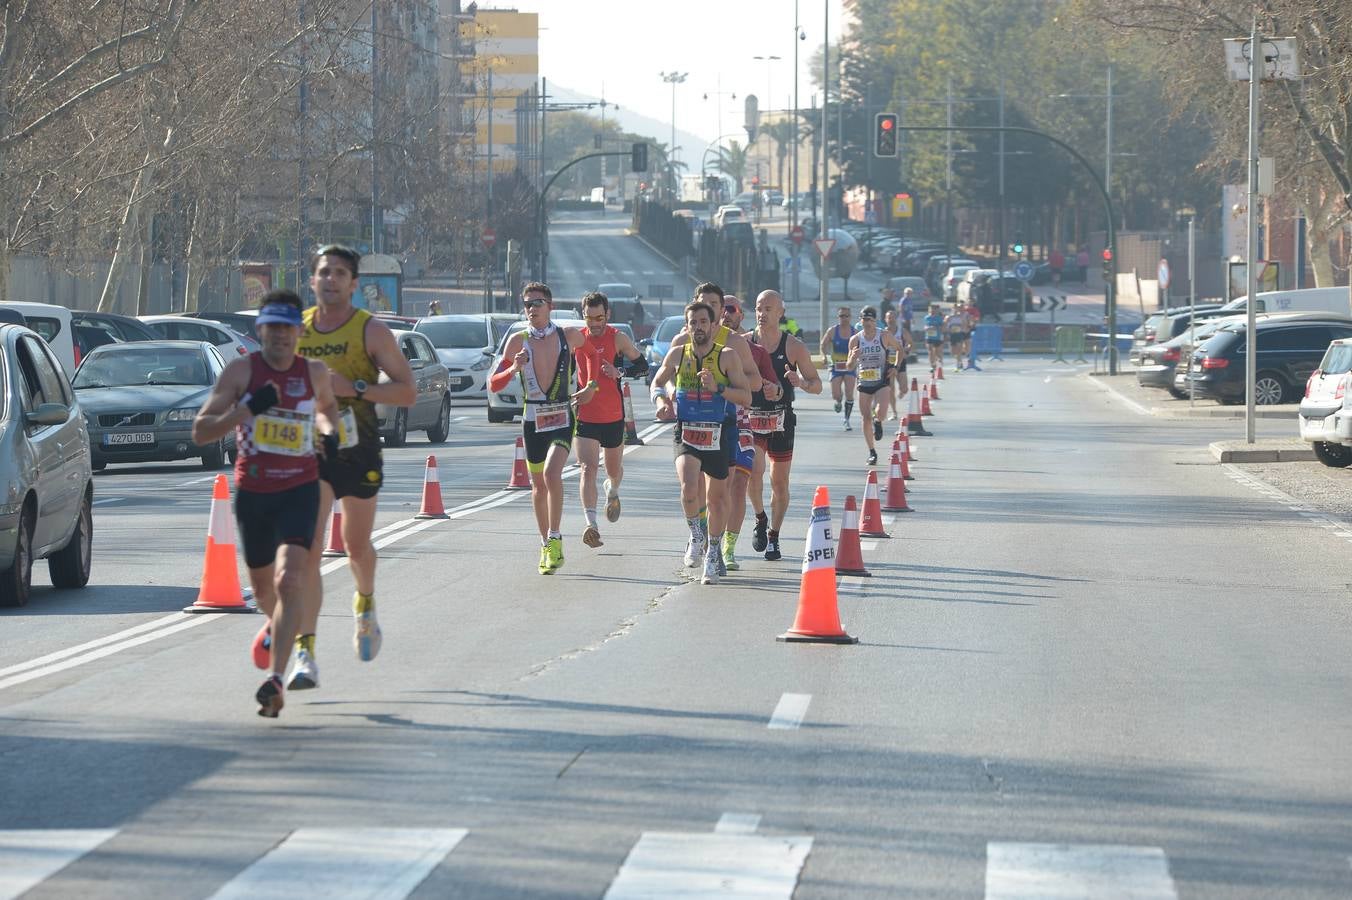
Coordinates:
639 159
755 181
1107 265
885 135
1018 247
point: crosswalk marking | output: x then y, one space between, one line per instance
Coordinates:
668 864
341 863
737 823
29 856
789 712
1043 871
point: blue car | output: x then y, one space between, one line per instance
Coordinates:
655 348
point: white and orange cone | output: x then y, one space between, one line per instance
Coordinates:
220 590
818 617
432 507
336 547
850 555
872 525
896 486
631 438
520 480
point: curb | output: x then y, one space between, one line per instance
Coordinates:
1241 452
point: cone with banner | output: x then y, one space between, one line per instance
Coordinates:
872 524
520 480
432 507
896 486
220 590
849 555
818 618
631 438
336 546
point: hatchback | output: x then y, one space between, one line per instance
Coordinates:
1326 410
230 342
464 344
1287 353
431 410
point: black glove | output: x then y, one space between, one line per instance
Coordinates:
263 399
636 368
329 443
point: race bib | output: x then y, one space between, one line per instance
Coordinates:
931 334
767 421
347 428
838 360
551 416
284 432
702 435
871 374
746 441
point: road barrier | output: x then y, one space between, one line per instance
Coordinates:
988 339
1070 340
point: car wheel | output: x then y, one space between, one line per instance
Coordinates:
1176 393
398 435
495 416
1268 389
69 566
16 582
1335 456
98 466
438 433
213 457
232 454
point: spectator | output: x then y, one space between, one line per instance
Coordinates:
1056 262
1082 261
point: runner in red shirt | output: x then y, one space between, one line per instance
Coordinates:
600 408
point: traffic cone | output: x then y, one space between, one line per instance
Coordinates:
905 442
818 618
431 496
905 466
896 487
631 438
220 591
914 423
925 400
336 546
934 389
520 480
939 374
849 555
872 526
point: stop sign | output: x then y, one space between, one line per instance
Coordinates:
796 234
489 237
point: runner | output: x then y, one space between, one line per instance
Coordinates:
600 409
795 370
836 348
357 347
955 329
271 398
706 377
542 357
892 325
934 336
871 351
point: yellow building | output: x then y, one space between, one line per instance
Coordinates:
499 83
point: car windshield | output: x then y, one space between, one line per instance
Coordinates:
1338 360
669 328
454 335
133 364
617 291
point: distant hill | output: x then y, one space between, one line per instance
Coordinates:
692 146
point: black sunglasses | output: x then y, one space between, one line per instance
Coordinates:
731 307
533 303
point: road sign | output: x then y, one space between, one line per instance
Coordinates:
791 266
796 234
825 246
903 207
489 238
1023 270
1054 303
1164 274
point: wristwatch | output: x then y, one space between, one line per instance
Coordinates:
360 387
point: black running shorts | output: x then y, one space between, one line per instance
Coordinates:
779 445
609 434
269 520
713 463
539 442
357 472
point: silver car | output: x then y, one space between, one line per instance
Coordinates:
46 475
431 411
465 344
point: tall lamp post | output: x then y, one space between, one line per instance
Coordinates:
673 79
1107 128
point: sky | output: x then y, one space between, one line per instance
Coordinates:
622 47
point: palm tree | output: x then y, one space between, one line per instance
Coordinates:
785 133
732 161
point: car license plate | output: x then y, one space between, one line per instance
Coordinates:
459 381
129 437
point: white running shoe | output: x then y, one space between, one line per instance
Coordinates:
305 672
710 575
612 503
694 552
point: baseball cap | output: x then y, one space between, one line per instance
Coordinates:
279 314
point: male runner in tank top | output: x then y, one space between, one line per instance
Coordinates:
357 347
541 356
600 409
836 349
280 405
893 325
793 364
871 352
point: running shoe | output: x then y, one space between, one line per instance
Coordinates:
730 552
772 546
847 425
555 548
591 536
873 457
837 406
758 536
270 697
710 574
877 429
716 552
366 631
262 646
305 673
544 561
694 551
612 503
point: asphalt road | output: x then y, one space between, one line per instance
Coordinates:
1092 663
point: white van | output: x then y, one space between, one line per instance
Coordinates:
54 325
1329 299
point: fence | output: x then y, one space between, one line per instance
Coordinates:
988 339
1070 339
78 284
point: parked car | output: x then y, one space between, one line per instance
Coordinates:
47 471
245 321
729 213
1147 333
1000 295
655 348
948 282
88 337
464 344
139 400
1326 410
124 328
937 266
962 292
506 404
431 411
920 292
1287 353
1158 364
1326 299
1170 327
185 328
54 324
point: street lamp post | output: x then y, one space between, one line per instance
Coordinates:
673 79
799 35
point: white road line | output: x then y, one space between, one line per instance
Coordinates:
737 823
108 500
789 712
27 857
203 479
345 863
668 864
90 645
1037 871
459 418
868 545
889 520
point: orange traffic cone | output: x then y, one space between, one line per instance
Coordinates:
934 389
431 496
872 526
905 466
915 424
939 374
520 480
220 591
631 438
896 487
925 399
336 546
906 445
818 618
849 555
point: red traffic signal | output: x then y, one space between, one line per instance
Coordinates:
887 123
755 179
1107 254
885 134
